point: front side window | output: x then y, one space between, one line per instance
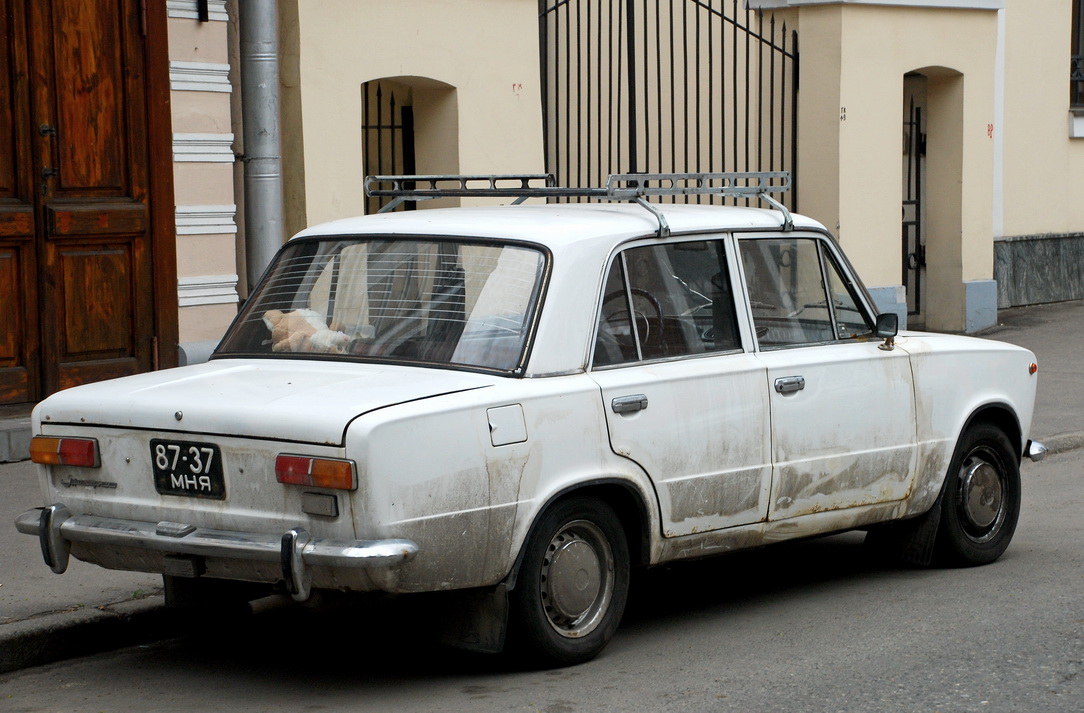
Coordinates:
441 302
798 294
670 300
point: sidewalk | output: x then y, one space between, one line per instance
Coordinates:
45 617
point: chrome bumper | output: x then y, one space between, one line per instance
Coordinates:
1035 451
295 550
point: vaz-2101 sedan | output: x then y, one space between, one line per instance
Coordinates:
519 404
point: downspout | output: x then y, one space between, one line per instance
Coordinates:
258 26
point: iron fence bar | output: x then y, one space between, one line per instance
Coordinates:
794 122
630 38
685 75
748 99
711 93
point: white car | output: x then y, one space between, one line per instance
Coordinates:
521 403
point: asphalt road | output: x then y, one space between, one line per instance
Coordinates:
811 626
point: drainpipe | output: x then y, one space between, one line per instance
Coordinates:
258 26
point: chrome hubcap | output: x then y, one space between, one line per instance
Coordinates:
982 499
577 578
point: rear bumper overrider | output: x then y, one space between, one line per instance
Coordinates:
295 550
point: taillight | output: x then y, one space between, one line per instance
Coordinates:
316 472
49 450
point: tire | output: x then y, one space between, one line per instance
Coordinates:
981 500
572 586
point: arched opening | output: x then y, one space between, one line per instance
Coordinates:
933 198
409 126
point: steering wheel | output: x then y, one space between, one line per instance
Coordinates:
648 335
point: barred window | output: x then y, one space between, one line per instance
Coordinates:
1076 72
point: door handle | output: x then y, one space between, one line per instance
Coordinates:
629 404
789 384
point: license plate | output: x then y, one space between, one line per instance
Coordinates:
187 468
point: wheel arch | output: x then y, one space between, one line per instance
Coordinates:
628 504
1003 417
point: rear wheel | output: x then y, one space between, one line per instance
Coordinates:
981 501
572 585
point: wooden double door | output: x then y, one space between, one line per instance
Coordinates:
87 255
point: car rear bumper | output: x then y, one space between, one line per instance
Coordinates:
295 550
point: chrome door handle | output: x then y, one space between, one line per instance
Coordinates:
629 404
789 384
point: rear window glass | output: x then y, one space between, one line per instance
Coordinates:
441 302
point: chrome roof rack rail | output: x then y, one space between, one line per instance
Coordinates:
627 187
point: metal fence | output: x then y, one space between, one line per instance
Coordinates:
666 86
387 132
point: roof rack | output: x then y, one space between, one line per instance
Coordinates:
627 187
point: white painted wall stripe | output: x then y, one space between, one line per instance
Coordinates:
206 148
187 9
199 77
206 219
207 290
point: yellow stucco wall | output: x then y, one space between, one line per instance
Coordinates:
1043 167
850 139
474 67
850 127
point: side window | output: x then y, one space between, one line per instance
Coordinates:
665 301
798 294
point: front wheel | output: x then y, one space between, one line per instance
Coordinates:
572 585
981 500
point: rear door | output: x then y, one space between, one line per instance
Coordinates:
842 408
682 397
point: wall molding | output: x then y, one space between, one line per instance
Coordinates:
207 290
953 4
206 219
199 77
187 9
204 148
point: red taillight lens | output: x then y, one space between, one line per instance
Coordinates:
316 472
48 450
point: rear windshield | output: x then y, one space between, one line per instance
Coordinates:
441 302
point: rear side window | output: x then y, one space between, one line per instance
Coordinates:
667 301
798 294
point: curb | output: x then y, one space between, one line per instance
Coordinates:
56 636
14 440
1063 442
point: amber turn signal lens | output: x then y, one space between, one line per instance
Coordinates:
1033 368
315 472
48 450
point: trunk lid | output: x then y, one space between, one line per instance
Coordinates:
287 400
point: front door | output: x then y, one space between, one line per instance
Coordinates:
842 408
75 213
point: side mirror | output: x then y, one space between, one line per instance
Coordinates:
887 327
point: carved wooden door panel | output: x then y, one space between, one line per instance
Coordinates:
79 219
19 374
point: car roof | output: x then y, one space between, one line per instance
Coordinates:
554 225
